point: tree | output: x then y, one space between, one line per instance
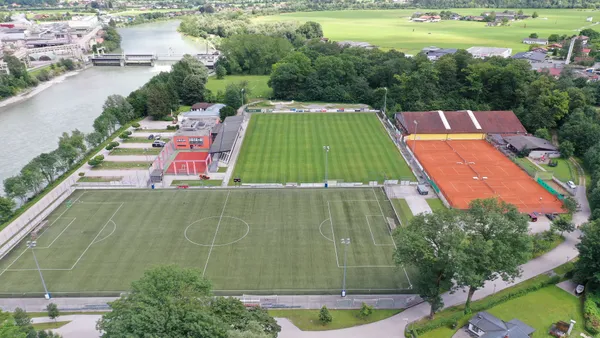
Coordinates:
430 243
533 35
221 72
187 66
233 95
167 301
226 111
543 133
587 267
7 205
8 329
48 164
311 30
232 312
94 139
365 310
162 100
68 64
566 148
31 177
193 89
53 311
534 15
570 205
15 187
497 242
253 330
553 38
253 54
324 316
561 224
119 107
22 319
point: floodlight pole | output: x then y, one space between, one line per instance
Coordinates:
346 242
31 245
415 137
326 148
385 102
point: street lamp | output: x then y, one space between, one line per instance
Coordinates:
346 242
415 137
31 245
326 148
385 101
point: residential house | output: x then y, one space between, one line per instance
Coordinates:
584 39
535 41
586 51
555 45
537 147
201 106
483 52
434 53
201 110
539 50
357 44
485 325
531 57
554 72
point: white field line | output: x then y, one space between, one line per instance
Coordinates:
212 245
333 235
21 254
65 229
371 231
99 232
383 215
112 232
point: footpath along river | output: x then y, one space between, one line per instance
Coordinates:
31 127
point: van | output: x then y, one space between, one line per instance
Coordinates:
422 189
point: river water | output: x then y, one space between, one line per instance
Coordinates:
31 127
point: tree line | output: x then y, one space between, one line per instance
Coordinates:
184 84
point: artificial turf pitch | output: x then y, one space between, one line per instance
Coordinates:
244 241
283 148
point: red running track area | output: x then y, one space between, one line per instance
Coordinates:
189 163
454 164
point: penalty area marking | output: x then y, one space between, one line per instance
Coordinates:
321 230
211 245
112 232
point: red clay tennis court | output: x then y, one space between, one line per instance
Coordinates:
468 170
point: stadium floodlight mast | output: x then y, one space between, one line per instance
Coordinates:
346 242
326 148
31 245
415 137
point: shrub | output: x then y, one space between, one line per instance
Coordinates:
109 147
365 311
114 144
135 125
173 127
99 158
124 135
81 174
325 316
128 132
591 309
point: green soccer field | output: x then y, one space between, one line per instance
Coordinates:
244 240
280 148
393 29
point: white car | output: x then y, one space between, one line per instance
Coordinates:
571 185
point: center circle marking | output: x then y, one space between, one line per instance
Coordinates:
185 233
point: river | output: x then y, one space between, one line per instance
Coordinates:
31 127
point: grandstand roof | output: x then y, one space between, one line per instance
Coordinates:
458 122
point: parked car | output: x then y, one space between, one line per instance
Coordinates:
532 217
157 137
158 144
151 137
571 185
422 189
552 216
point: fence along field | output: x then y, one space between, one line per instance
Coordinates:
245 241
283 148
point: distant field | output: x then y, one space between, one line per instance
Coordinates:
281 148
392 28
256 83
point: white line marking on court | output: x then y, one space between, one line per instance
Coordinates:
205 218
333 235
369 225
383 215
216 232
112 232
320 225
99 232
65 229
21 254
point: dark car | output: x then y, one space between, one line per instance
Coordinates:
552 217
151 137
158 144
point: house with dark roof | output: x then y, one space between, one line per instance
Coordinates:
535 41
537 147
434 53
531 57
485 325
457 125
227 135
200 106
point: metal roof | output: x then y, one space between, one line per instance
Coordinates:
531 56
521 142
227 133
465 121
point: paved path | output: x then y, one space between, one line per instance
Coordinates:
135 145
130 158
418 205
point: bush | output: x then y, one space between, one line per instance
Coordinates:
81 174
135 125
173 127
325 316
591 309
99 158
543 242
365 311
128 132
124 135
109 147
115 144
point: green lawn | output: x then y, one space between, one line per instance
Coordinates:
403 210
198 183
308 320
142 140
49 326
135 151
257 85
393 29
222 169
525 164
564 171
99 178
435 204
246 241
106 165
281 148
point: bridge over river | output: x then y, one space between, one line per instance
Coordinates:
150 59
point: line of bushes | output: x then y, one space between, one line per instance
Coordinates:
591 309
459 319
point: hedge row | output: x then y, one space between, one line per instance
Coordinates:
591 309
460 319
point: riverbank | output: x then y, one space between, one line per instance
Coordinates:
31 92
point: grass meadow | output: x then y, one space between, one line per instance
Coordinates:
392 28
280 148
244 240
257 85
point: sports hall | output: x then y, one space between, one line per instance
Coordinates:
452 148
